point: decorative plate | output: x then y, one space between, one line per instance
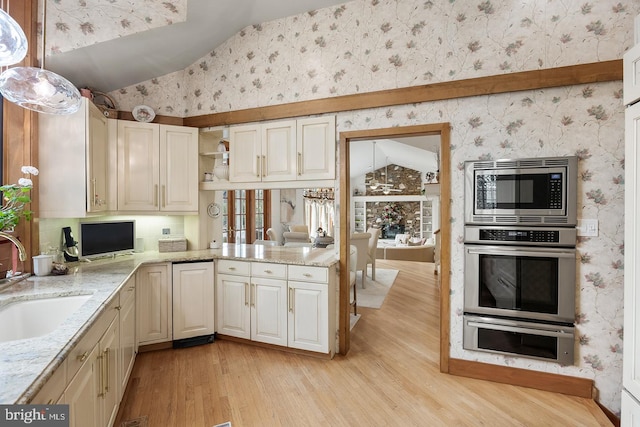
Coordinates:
143 113
213 210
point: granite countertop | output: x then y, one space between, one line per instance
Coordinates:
26 365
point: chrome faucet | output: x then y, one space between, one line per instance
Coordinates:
22 253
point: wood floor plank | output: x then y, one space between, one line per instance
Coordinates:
390 377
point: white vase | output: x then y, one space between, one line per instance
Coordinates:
221 172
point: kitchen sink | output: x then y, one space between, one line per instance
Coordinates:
34 318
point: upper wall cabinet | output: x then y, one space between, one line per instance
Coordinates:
263 152
283 151
73 162
157 167
316 155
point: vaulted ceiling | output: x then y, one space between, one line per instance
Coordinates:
140 57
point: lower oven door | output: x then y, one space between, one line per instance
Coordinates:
552 343
531 283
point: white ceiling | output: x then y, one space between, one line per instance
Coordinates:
140 57
415 152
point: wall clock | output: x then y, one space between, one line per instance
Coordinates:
213 210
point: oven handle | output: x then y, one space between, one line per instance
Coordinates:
521 252
505 328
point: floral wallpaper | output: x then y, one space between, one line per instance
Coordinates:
72 24
369 45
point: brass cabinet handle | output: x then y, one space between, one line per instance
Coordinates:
291 300
164 195
264 165
246 293
299 163
82 357
107 363
155 195
258 166
101 361
253 295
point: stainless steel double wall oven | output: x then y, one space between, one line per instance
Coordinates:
520 257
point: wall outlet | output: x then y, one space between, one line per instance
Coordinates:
587 227
166 231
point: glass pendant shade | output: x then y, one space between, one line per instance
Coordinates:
40 90
13 41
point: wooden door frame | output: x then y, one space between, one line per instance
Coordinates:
442 129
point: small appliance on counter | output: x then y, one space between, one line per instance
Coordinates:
69 245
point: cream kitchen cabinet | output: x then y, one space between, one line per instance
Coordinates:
308 308
157 167
283 151
82 393
268 301
263 152
128 342
252 301
74 164
153 303
193 300
316 143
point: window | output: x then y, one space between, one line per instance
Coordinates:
245 215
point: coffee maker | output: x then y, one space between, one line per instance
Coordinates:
69 245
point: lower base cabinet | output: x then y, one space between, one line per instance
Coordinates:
153 299
193 300
277 304
91 380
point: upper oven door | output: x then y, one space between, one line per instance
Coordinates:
521 282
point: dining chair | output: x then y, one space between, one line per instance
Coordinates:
371 252
353 262
361 242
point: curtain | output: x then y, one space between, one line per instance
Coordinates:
319 213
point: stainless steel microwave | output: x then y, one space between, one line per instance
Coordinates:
538 191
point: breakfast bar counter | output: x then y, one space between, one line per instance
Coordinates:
26 364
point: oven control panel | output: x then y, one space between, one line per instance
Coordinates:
539 236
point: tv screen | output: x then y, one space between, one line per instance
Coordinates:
106 238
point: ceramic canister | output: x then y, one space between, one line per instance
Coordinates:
42 264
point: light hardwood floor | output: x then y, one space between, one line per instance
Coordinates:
389 378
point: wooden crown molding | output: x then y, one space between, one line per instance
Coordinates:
595 72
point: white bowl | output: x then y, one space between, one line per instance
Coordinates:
221 172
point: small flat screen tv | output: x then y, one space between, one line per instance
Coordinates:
99 239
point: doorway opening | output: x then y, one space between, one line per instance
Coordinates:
443 130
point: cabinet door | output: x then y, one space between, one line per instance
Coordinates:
245 153
630 416
153 303
97 161
278 161
109 373
138 166
179 168
82 394
234 314
127 332
193 300
269 311
631 353
316 148
631 77
308 316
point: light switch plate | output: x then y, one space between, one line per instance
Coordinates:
587 227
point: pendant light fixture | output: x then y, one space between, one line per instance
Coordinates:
13 41
373 184
38 89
